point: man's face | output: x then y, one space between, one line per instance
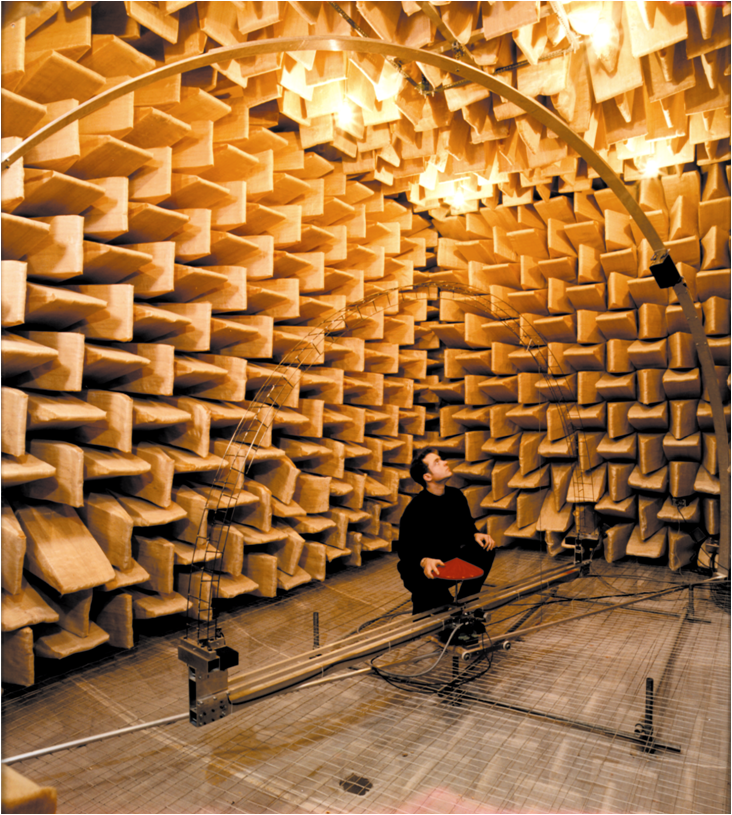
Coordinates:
437 469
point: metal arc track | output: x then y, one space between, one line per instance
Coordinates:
363 46
464 71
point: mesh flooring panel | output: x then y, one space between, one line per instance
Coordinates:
498 743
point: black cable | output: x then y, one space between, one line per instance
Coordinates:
387 615
524 605
602 578
518 604
434 686
413 683
426 670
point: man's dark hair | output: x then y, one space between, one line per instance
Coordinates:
418 468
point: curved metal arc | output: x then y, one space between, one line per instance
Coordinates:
405 54
366 46
449 65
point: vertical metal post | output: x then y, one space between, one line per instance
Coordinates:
649 704
645 728
316 630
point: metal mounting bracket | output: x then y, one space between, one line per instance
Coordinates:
208 682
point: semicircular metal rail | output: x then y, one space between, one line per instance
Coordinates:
531 106
365 46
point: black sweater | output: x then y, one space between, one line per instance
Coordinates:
434 526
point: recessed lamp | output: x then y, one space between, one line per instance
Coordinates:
606 43
345 115
651 169
458 200
602 35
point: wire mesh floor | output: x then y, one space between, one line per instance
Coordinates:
540 728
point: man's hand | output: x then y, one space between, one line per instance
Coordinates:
486 541
430 566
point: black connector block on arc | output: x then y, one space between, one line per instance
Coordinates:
664 270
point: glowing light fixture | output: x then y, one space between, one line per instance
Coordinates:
602 35
651 168
345 114
606 42
458 200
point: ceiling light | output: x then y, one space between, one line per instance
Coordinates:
606 43
602 35
345 114
651 168
458 200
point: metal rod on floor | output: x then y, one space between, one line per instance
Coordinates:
657 612
80 742
169 720
522 632
667 654
269 679
588 727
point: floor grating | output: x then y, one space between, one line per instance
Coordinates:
366 745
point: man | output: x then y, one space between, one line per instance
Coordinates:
437 526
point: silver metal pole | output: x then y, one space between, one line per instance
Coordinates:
169 720
523 632
468 72
709 377
79 742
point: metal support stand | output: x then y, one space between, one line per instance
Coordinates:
208 682
292 671
644 728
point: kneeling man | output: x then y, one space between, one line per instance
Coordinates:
437 526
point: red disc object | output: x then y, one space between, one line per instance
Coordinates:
457 569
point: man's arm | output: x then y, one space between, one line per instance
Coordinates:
464 523
413 541
408 534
